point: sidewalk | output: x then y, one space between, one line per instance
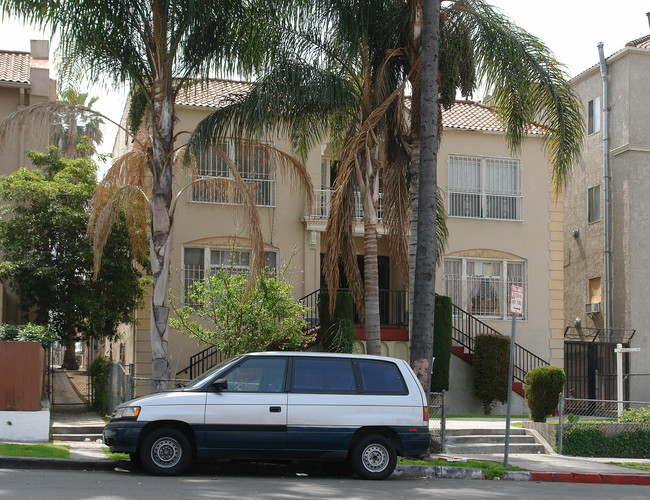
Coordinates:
89 455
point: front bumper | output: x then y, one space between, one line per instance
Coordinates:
121 436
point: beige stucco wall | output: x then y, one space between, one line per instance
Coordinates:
14 96
629 73
536 239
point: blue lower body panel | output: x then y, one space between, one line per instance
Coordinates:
122 436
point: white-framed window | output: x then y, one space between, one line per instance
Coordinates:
593 116
482 286
196 260
485 188
254 163
593 204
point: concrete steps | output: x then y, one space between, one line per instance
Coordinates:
68 426
490 440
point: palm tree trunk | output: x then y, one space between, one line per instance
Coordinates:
161 236
425 265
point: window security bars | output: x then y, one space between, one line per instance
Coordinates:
254 164
482 287
485 188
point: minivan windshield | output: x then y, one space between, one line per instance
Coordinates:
204 376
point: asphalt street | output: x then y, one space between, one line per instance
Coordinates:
38 484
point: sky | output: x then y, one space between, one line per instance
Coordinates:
570 28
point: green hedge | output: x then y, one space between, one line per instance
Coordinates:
588 440
442 330
543 387
99 373
338 330
491 356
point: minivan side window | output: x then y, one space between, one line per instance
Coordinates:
323 375
257 375
381 377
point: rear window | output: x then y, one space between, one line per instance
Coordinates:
323 375
381 377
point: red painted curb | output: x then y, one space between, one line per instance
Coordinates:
590 477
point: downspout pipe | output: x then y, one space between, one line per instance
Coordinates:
607 193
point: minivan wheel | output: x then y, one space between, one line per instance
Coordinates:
374 457
165 452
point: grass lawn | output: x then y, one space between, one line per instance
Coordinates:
633 465
115 456
34 450
490 468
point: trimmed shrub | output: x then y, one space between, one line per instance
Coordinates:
641 415
491 357
99 373
588 440
337 330
442 330
543 387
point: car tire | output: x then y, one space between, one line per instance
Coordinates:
136 463
165 452
373 457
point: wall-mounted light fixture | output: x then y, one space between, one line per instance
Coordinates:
575 233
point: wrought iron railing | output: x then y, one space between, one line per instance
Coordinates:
323 202
465 328
392 308
202 361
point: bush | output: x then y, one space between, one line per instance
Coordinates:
338 329
99 373
28 333
543 387
442 330
588 440
225 312
491 357
641 415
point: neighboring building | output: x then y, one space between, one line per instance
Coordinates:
505 228
24 80
584 229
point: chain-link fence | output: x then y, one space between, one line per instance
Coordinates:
437 419
597 427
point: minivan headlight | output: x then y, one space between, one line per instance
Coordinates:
127 412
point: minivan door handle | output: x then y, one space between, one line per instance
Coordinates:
275 409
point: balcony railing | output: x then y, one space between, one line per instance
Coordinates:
485 206
224 191
323 203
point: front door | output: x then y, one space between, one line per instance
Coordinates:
251 414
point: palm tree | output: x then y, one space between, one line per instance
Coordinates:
155 47
68 129
478 45
345 83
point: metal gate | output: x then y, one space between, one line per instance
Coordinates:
70 388
591 370
590 362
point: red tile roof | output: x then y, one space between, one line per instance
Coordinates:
643 42
212 93
467 115
470 115
14 66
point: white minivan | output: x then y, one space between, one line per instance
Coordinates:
364 410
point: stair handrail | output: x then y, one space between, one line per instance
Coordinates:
524 361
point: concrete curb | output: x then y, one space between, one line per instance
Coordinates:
56 463
439 471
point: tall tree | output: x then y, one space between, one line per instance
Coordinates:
346 84
73 128
478 45
155 47
49 261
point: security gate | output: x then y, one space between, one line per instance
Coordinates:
69 387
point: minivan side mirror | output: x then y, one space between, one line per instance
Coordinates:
221 384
